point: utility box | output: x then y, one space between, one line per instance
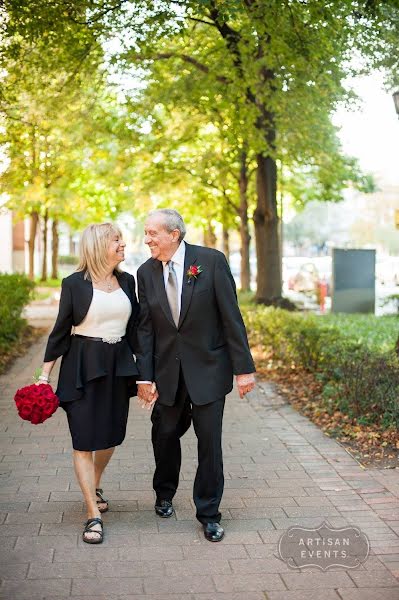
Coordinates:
353 281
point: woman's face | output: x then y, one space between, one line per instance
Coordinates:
116 250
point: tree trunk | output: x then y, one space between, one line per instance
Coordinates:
266 221
44 263
226 243
71 245
209 236
244 226
54 249
34 219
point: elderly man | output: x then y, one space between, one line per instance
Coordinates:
191 340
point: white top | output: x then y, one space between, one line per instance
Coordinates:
107 316
178 264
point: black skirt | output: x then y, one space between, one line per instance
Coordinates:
95 383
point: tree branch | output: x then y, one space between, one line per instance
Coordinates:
231 203
185 58
99 16
76 69
232 39
9 116
201 21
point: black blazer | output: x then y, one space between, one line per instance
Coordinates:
210 342
76 297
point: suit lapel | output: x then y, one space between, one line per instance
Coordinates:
85 297
123 282
188 287
159 285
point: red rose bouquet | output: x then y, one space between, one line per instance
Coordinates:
36 403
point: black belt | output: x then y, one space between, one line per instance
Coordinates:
107 340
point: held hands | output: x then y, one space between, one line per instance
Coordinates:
147 394
245 383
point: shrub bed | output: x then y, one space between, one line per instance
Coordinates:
15 292
359 376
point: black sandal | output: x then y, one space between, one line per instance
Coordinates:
99 494
88 529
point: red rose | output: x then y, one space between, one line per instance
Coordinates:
25 412
193 272
47 412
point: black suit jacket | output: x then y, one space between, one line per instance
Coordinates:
76 297
210 342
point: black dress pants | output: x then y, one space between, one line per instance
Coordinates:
169 424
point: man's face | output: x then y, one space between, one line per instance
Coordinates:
162 243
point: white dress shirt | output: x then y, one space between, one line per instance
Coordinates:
178 265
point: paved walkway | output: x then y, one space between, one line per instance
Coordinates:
280 471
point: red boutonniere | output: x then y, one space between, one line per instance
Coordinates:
193 272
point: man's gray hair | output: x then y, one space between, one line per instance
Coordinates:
172 219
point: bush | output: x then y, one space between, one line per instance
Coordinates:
360 380
15 292
368 388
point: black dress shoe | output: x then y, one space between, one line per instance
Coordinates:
213 532
164 508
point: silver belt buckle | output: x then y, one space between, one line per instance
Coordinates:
111 340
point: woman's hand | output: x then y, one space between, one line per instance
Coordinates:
43 375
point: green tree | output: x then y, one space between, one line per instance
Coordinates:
280 66
67 149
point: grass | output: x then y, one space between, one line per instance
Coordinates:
42 294
376 333
51 283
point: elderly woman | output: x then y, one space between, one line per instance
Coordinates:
94 334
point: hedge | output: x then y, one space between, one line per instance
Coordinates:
359 381
15 292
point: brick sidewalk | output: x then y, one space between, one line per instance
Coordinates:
280 471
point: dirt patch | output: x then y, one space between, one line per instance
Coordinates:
27 337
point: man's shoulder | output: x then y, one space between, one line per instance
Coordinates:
205 252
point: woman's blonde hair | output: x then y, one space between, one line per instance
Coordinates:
93 250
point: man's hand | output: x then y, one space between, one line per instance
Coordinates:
245 383
147 394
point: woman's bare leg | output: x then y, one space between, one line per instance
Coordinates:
85 473
101 459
